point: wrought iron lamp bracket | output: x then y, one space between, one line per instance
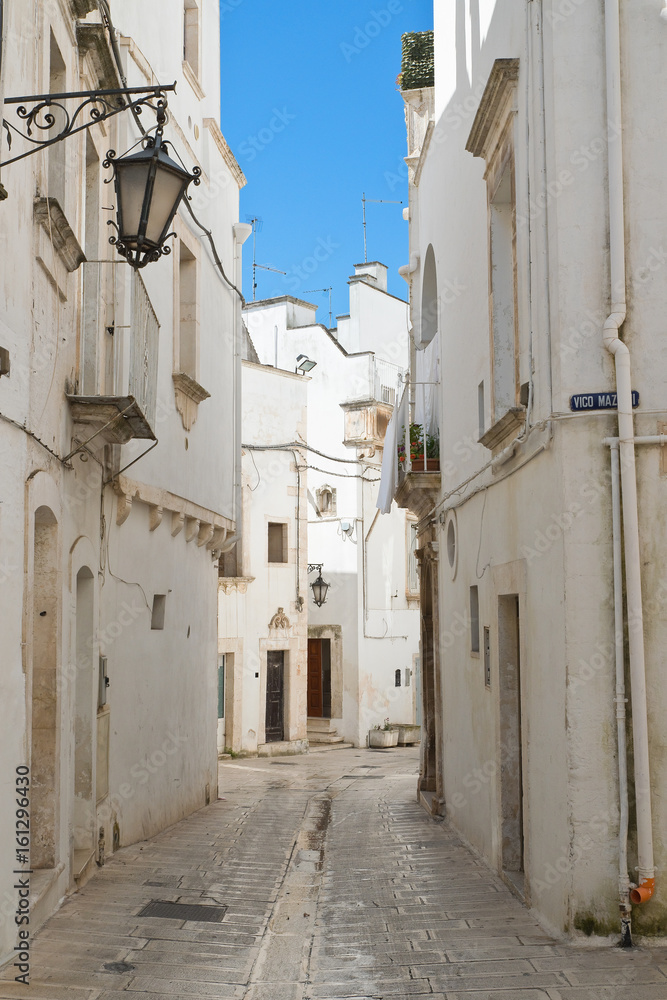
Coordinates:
312 567
37 114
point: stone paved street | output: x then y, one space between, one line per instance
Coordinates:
336 885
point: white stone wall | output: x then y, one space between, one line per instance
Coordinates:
274 413
82 561
543 526
367 603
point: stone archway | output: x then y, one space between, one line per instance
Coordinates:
84 714
44 702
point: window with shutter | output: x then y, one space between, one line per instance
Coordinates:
144 356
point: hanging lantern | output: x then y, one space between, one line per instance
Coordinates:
149 188
320 588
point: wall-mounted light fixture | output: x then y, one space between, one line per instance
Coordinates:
304 364
318 586
149 184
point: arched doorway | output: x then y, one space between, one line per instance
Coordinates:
44 701
84 714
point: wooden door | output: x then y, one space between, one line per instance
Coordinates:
315 705
275 688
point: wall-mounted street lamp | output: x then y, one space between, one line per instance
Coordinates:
304 364
319 586
149 188
149 184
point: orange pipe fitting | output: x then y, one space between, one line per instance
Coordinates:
642 892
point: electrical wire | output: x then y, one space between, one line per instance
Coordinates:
299 444
25 430
214 249
259 478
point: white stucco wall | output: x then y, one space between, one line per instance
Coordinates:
274 407
161 699
378 625
548 523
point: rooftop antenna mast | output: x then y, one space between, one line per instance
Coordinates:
376 201
256 224
311 290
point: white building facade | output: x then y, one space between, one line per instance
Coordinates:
263 618
362 643
117 494
537 279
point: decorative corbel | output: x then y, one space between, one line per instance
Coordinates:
218 539
155 517
123 507
205 533
191 528
177 522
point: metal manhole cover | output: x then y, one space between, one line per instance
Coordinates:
285 763
118 967
355 776
184 911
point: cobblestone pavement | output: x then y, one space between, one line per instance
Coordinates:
336 885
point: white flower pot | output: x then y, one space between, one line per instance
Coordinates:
383 738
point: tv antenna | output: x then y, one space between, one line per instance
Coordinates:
257 224
311 290
376 201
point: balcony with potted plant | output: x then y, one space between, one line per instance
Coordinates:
419 470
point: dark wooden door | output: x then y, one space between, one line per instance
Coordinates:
275 689
315 679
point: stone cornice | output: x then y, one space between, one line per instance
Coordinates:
206 526
81 8
189 394
229 584
224 150
496 103
92 40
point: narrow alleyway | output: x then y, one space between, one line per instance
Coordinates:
335 884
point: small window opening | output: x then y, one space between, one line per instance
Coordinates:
191 35
397 678
229 563
159 607
474 619
326 500
277 543
188 318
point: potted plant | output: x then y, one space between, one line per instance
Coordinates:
383 736
417 450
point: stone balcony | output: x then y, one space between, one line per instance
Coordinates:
418 490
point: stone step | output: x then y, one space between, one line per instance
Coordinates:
325 737
319 725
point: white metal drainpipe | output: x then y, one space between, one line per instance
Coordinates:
646 870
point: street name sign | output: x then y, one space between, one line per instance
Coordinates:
599 401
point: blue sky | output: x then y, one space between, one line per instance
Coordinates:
311 111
